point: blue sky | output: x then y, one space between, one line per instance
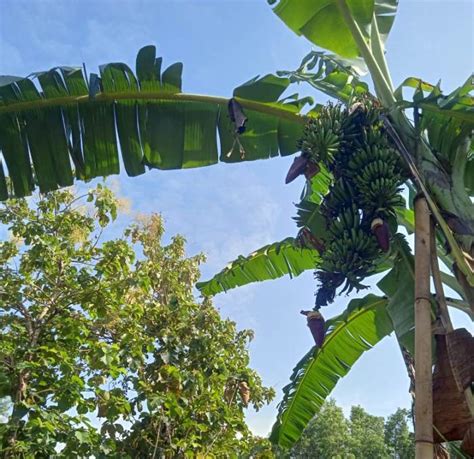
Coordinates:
228 210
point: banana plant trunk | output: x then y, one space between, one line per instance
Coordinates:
423 351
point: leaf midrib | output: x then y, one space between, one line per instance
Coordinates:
269 109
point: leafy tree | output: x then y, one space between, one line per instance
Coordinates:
159 126
108 353
362 436
397 435
367 434
327 435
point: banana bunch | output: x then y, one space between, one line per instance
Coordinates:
322 135
376 172
360 205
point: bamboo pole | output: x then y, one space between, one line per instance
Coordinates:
423 351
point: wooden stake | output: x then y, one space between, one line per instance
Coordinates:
423 351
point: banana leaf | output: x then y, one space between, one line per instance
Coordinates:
459 104
399 286
469 175
269 262
331 75
363 324
323 24
59 125
447 120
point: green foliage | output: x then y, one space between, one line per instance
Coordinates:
326 436
367 435
362 436
448 121
269 262
318 21
328 74
400 300
81 119
91 330
437 146
87 122
397 435
362 325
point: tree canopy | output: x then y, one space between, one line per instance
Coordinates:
105 351
362 436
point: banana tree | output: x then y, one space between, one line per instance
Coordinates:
62 124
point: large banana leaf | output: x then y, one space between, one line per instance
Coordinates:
270 262
362 325
322 22
74 126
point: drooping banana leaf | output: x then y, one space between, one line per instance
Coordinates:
270 262
322 22
68 126
363 324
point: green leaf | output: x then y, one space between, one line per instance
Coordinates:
327 73
266 89
3 184
461 306
270 262
400 304
67 125
119 77
469 176
322 23
309 216
15 153
406 218
446 119
458 104
363 324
